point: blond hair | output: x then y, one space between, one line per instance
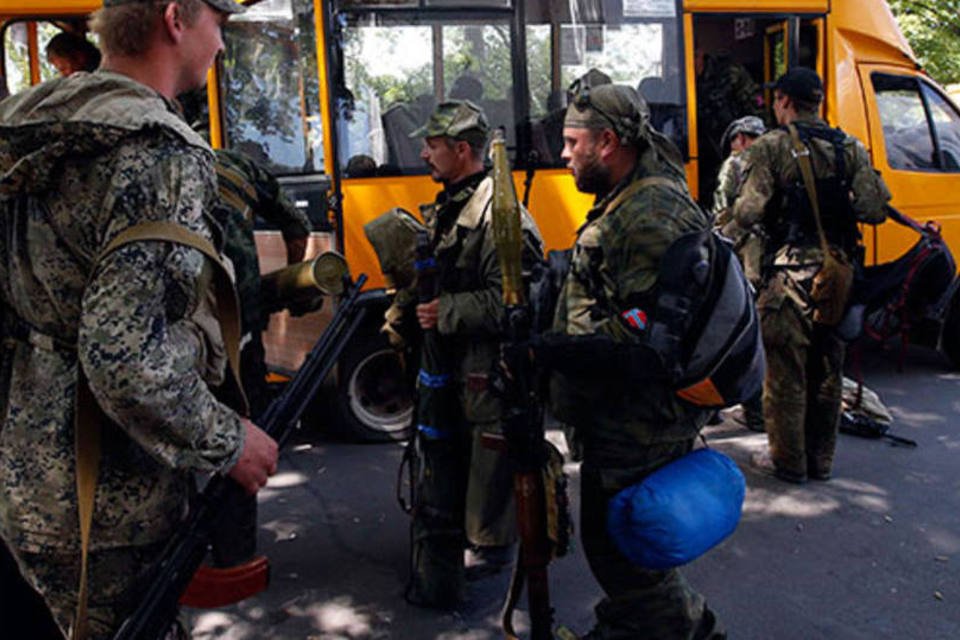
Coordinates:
127 29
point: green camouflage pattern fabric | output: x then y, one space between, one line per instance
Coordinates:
615 259
457 119
121 576
803 385
469 323
82 159
639 603
475 483
729 179
748 244
769 168
725 91
627 431
247 191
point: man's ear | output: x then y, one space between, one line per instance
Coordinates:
607 142
172 19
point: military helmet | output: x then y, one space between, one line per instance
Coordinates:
750 125
226 6
610 106
457 119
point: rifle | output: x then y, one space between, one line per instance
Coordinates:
185 552
522 416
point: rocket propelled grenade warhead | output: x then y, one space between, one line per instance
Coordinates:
507 233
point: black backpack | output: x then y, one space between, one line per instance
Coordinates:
705 327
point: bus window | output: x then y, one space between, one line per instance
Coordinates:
946 124
906 132
269 86
397 66
16 53
636 44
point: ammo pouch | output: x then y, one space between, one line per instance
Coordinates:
831 288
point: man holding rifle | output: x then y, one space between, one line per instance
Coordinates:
119 320
629 427
467 316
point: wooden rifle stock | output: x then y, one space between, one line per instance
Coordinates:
185 552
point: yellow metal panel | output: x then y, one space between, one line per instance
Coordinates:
760 6
48 7
554 202
923 195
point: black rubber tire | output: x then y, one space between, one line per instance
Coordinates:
950 336
374 400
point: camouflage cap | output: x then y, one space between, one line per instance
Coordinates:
226 6
457 119
750 125
610 106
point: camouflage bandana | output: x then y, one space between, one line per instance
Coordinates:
457 119
610 106
226 6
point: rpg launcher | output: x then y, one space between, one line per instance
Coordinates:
184 554
522 416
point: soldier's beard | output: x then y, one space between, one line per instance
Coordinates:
593 177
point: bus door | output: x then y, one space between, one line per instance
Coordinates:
914 135
735 55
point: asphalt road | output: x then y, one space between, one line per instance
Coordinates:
874 553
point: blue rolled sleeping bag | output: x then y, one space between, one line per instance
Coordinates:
679 512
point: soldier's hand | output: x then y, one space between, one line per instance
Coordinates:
427 313
296 249
258 460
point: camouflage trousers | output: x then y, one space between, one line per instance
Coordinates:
116 578
802 391
464 496
639 603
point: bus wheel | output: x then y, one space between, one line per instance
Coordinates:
374 400
950 338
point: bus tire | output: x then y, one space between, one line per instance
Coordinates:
950 337
374 400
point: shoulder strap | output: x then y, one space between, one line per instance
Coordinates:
636 186
227 306
802 154
87 414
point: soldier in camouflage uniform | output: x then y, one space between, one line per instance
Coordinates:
725 91
802 390
467 316
132 330
749 245
247 190
628 431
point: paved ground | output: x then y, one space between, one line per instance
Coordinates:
875 553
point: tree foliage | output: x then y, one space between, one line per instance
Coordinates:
933 29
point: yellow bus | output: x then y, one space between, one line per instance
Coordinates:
327 91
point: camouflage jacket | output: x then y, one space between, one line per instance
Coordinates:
247 190
614 268
770 169
82 159
725 91
470 313
729 179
